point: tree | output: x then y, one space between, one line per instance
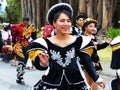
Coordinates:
101 10
13 11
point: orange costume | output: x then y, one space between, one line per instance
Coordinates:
20 39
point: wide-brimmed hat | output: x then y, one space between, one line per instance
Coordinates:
56 8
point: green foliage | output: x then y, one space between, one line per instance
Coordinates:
113 32
0 26
13 11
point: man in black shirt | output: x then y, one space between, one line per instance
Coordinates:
77 28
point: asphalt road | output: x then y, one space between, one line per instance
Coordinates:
8 77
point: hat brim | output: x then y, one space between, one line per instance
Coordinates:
56 8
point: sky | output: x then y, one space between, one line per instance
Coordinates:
3 4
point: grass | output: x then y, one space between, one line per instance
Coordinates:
105 54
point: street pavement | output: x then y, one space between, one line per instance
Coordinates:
8 78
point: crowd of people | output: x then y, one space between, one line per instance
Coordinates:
67 52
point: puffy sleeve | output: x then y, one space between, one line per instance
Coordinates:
38 46
86 50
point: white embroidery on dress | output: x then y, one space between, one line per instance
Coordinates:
44 87
69 55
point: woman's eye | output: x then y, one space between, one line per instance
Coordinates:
68 20
62 20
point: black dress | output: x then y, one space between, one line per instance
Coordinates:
64 67
95 56
115 45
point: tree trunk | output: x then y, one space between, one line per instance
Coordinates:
82 6
25 7
22 7
46 9
107 14
33 12
89 8
38 14
99 13
29 10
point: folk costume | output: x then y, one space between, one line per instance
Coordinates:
63 64
64 70
95 58
21 35
115 53
115 62
76 30
48 31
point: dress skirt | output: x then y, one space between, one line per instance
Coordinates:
64 86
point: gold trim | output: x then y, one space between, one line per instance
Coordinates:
88 50
32 54
116 47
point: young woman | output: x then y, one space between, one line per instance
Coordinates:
59 54
89 28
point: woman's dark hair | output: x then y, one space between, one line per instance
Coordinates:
26 18
58 14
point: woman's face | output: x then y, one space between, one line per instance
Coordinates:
62 24
90 29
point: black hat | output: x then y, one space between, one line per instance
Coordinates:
56 8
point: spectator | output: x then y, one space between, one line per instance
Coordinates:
7 38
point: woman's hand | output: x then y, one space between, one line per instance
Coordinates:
44 58
109 40
95 44
102 84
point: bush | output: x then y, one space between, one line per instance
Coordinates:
113 32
